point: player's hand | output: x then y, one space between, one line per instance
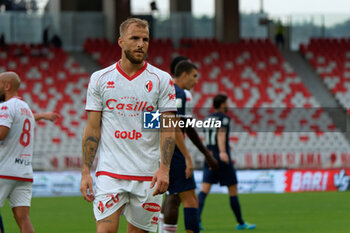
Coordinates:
189 168
224 157
86 187
51 116
211 161
161 177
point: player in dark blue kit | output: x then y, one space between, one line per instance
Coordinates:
185 77
217 140
181 181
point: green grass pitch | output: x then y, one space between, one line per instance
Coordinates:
327 212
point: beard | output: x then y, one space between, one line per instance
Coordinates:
133 59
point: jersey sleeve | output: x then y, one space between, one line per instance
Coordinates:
188 102
181 103
93 96
225 122
6 115
167 95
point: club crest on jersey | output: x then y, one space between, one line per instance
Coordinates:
148 86
4 108
100 207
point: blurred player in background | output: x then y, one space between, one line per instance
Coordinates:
131 160
217 141
16 149
182 185
170 209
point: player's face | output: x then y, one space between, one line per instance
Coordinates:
191 79
134 43
224 107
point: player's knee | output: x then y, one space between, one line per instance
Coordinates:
205 188
105 230
191 202
233 190
173 200
106 226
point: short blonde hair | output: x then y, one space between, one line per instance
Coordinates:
125 25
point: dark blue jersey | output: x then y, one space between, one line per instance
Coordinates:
181 111
180 100
211 134
177 176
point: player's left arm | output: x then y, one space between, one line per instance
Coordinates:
222 145
193 135
50 116
167 146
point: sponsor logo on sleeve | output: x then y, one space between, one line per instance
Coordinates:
171 96
5 116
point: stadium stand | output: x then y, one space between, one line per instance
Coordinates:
273 112
51 81
331 60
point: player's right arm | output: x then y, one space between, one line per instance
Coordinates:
180 143
91 138
209 158
222 145
167 146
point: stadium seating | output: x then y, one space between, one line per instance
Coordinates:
331 60
272 108
51 81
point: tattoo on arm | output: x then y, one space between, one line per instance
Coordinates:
168 150
89 150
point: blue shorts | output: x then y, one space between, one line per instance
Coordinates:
225 174
177 176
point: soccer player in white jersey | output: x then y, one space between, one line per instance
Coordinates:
133 163
16 149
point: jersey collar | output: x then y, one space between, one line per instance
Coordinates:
135 75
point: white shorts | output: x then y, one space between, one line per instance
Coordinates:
141 208
19 193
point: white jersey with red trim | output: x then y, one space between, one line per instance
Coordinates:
16 150
126 150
